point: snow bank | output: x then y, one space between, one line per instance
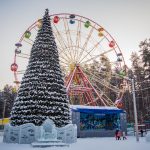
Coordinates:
89 144
148 137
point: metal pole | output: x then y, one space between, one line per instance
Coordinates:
135 110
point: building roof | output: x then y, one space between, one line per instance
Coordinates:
96 109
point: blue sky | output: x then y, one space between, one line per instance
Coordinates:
128 21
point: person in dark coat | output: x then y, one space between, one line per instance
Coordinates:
116 133
141 132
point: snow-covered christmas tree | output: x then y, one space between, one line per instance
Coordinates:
42 93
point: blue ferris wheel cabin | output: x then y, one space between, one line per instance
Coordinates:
97 121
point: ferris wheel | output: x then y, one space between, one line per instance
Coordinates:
91 61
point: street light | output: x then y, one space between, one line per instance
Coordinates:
134 106
135 110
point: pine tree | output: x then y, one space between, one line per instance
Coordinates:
7 97
42 93
145 54
138 75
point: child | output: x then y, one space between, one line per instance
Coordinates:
124 135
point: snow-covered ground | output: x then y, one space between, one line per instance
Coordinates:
108 143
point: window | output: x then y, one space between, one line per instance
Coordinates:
94 121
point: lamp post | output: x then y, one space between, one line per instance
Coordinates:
135 110
134 107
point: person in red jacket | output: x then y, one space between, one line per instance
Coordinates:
119 135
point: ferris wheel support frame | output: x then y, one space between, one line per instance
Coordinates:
87 87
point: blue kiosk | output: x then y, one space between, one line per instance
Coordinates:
97 121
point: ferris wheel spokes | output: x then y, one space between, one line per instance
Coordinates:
68 38
94 57
85 44
103 82
91 49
